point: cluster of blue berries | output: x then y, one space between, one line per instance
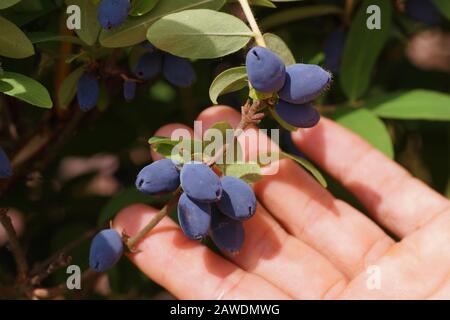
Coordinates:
178 71
209 204
297 85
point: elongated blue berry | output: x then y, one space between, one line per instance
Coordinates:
424 11
129 90
200 182
158 177
106 250
194 217
178 71
333 48
265 70
304 82
301 116
149 65
5 165
88 91
238 200
226 233
112 13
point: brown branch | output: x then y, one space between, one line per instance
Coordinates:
16 249
58 260
53 292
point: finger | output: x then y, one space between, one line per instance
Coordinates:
336 230
186 268
166 131
394 198
306 273
416 268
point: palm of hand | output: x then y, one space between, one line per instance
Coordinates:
302 242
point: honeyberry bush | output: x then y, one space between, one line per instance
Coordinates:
80 107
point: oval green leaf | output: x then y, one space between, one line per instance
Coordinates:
90 27
134 30
68 87
277 45
26 89
363 47
8 3
13 42
199 34
141 7
230 80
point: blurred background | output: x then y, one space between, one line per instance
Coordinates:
73 171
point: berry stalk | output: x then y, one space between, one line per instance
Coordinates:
252 21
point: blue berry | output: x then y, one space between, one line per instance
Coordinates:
106 250
5 165
200 182
129 90
178 71
226 233
194 217
304 82
88 91
158 177
333 48
112 13
424 11
265 70
238 200
300 116
149 65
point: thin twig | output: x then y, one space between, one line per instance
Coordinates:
16 249
251 20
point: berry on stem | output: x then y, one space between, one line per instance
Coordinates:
265 70
300 116
106 250
194 217
129 89
88 91
149 65
200 183
5 165
333 49
112 13
304 82
226 233
238 200
158 177
178 71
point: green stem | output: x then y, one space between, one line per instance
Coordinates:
252 21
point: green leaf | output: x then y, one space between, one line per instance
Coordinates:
122 200
13 42
141 7
444 7
134 30
165 147
26 89
308 166
199 34
90 27
367 125
412 105
250 172
8 3
277 45
230 80
293 14
38 37
262 3
68 87
362 49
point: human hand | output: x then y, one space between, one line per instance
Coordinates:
303 243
